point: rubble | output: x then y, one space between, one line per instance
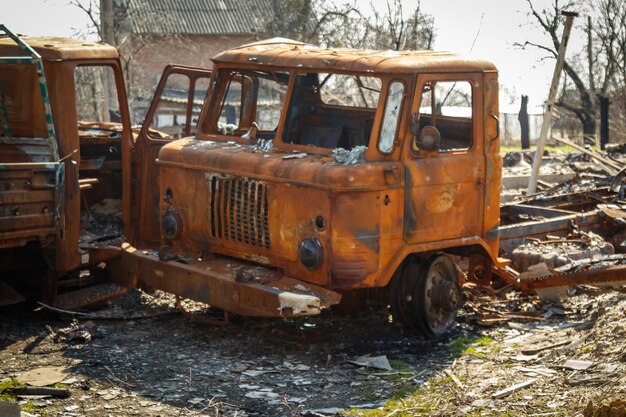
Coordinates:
76 333
203 370
377 362
559 251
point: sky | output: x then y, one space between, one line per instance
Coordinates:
495 25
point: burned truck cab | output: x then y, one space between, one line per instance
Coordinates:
318 171
65 135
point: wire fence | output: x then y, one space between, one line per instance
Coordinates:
563 126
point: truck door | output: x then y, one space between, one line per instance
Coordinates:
445 178
173 113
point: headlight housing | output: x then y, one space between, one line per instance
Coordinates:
171 223
311 253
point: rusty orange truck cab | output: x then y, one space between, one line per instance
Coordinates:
318 171
58 173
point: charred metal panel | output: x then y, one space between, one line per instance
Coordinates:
444 197
356 237
23 101
493 161
29 202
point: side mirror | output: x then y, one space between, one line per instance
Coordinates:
429 139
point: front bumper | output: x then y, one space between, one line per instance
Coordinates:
225 283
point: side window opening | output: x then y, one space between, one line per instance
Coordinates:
230 114
22 115
252 103
389 126
201 91
100 167
178 105
447 105
96 100
170 116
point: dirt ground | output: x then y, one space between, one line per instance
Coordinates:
162 363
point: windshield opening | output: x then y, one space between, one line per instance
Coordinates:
331 111
250 103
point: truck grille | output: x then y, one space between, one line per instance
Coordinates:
239 210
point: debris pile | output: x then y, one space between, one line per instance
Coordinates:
102 224
486 307
560 172
556 251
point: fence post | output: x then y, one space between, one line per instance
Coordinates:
604 121
523 121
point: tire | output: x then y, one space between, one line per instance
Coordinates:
425 296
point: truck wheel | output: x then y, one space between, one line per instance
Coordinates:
426 296
401 294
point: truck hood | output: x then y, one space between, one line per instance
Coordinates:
274 165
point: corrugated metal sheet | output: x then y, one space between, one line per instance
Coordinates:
198 17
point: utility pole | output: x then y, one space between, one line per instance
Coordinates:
547 115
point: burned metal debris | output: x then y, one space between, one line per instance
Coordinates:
75 333
571 233
350 157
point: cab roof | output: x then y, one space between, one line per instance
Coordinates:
58 49
290 54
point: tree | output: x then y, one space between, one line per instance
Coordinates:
343 25
391 30
311 21
594 72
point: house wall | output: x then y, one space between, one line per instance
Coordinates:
147 55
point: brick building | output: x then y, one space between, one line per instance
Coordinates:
154 33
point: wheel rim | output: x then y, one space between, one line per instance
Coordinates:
439 295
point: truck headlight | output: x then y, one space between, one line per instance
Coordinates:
311 253
171 224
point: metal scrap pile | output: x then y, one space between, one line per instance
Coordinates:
555 251
491 308
570 233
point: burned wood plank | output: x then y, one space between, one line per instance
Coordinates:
53 392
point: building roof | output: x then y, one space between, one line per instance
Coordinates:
196 17
284 53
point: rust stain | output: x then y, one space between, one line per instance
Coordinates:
442 198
